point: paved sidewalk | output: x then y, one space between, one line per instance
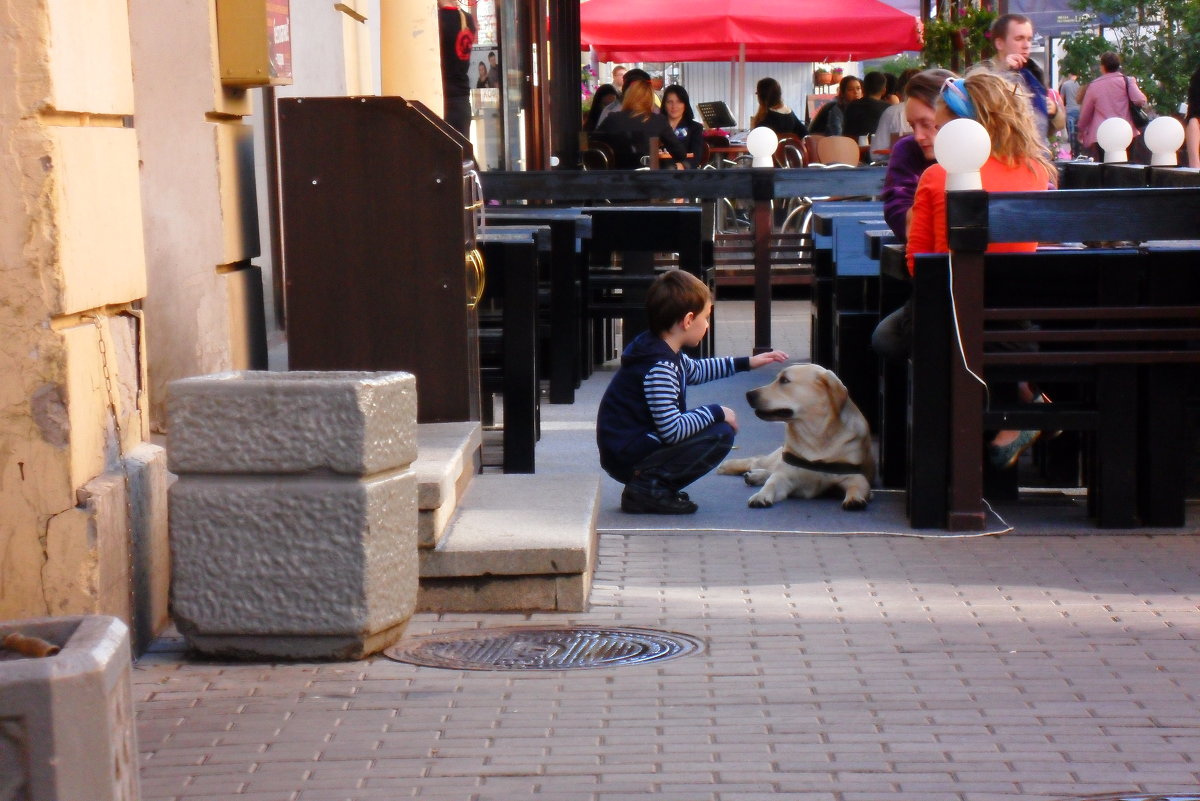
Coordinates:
840 668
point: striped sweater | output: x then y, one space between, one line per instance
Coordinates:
645 405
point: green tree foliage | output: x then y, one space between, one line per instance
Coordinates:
1158 41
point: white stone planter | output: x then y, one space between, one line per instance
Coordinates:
294 519
66 721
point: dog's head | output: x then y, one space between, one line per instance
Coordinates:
800 392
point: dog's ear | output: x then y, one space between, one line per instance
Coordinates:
836 391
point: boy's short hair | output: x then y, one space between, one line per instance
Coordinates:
672 295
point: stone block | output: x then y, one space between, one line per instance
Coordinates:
567 593
90 56
515 525
99 225
350 423
66 721
315 567
448 456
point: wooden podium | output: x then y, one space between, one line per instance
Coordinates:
380 199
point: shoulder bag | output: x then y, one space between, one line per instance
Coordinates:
1137 114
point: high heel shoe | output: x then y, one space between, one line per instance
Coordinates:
1005 456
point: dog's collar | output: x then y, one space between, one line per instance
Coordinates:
836 468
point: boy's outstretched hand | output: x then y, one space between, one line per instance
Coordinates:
770 357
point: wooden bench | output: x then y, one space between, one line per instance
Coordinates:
508 348
559 301
1123 323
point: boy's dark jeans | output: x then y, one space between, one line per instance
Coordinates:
673 467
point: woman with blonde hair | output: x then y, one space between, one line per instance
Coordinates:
628 131
1019 162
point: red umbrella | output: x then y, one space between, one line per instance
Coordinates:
769 30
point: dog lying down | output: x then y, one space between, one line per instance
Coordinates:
828 441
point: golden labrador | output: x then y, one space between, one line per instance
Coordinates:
828 442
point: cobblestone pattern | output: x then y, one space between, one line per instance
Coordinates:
838 669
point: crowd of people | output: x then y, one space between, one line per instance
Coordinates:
1008 96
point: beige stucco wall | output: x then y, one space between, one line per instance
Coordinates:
72 367
199 223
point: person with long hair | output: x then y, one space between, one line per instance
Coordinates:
677 108
1019 161
629 129
605 94
772 112
830 118
911 155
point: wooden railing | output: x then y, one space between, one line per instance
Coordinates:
758 185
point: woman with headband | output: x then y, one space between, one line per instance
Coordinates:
1019 162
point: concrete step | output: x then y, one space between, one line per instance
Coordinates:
448 457
517 543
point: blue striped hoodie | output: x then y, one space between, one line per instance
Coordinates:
645 405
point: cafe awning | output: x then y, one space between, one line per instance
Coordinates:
750 30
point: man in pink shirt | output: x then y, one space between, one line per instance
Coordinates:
1107 96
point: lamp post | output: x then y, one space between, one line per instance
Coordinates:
962 146
1164 136
1114 136
762 143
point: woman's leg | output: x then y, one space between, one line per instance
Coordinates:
1192 133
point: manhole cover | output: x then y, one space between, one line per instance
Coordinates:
543 648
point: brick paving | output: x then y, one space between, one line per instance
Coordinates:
837 668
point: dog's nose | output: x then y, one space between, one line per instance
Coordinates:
751 395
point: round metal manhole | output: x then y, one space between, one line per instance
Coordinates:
543 648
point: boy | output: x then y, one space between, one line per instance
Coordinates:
648 439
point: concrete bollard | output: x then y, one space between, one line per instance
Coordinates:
294 519
66 720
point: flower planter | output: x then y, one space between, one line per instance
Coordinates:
66 720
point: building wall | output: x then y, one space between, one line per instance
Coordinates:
75 513
199 216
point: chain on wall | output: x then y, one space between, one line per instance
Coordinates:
111 394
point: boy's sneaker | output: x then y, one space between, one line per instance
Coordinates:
658 501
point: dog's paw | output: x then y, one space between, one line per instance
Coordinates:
760 500
756 478
854 504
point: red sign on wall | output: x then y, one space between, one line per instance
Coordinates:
279 40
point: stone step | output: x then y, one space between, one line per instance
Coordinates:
517 543
448 456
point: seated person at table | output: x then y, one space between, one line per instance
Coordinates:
677 108
911 155
861 116
772 113
648 439
628 130
1019 162
831 117
605 93
893 124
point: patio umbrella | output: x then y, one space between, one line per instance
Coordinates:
748 30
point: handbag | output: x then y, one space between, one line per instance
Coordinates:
1137 114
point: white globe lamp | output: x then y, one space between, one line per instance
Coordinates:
961 147
762 144
1114 136
1164 137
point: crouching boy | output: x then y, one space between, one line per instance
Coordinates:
649 440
